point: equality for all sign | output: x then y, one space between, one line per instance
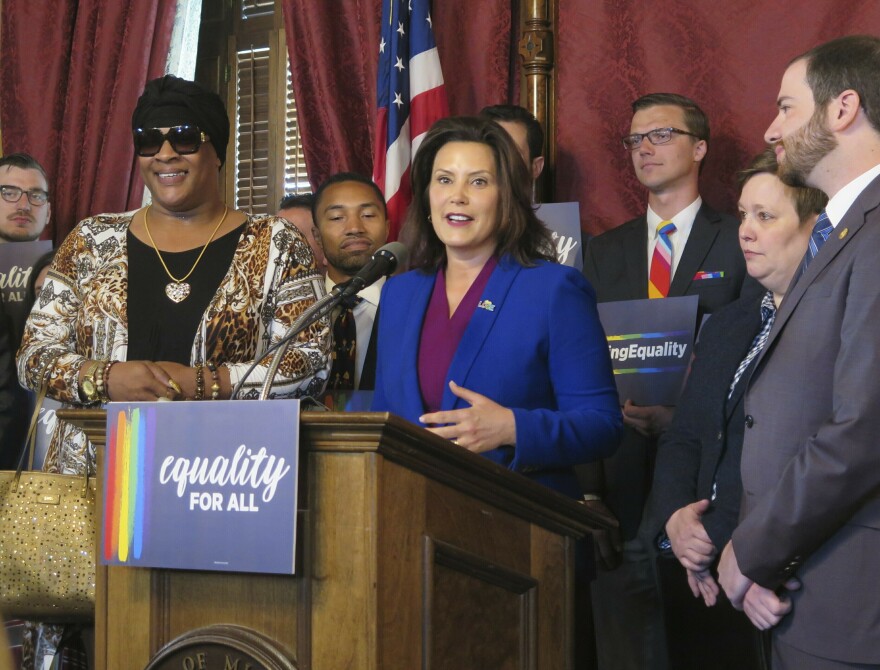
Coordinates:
201 485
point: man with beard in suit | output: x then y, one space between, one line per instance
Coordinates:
802 559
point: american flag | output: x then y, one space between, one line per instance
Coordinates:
410 96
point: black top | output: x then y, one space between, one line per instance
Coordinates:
700 453
160 329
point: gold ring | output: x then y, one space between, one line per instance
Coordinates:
455 442
173 385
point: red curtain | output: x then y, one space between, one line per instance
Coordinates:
728 56
72 72
333 49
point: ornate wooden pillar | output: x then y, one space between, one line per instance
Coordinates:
538 93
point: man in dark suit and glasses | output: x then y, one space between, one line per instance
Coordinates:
679 246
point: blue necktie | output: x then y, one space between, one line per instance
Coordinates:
821 232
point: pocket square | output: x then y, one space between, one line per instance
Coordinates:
703 274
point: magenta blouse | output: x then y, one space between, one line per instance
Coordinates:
441 334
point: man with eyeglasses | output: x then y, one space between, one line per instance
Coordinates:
24 213
679 246
24 198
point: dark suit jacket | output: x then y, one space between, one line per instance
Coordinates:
703 445
616 265
811 454
539 350
14 413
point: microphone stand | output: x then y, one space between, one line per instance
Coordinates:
324 306
320 309
383 263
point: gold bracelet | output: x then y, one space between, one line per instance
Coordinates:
103 381
200 382
215 380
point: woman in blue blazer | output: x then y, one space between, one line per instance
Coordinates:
489 342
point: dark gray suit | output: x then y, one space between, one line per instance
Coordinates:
811 454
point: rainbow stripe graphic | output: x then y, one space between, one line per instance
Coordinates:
130 443
648 371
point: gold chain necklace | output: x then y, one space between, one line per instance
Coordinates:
178 289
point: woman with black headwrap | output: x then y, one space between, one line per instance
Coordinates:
177 299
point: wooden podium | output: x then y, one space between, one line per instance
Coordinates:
412 553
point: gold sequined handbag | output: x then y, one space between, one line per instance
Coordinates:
47 541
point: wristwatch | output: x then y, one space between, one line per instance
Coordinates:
88 386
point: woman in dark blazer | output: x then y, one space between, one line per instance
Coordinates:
488 342
697 487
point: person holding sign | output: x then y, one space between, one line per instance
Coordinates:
697 489
488 342
680 246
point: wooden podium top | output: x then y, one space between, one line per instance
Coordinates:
409 547
421 451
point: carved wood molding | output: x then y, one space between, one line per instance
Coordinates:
222 647
538 91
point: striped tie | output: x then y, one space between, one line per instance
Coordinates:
661 263
768 316
821 233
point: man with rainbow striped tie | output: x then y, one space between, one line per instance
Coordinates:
680 246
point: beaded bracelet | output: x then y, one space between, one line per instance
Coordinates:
200 382
103 381
99 382
215 380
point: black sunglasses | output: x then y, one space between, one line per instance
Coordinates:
183 139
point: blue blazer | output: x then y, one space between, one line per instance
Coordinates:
536 347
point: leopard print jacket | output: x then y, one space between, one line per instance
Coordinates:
81 315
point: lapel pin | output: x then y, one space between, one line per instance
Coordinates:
488 305
843 233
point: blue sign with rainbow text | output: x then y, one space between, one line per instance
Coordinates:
651 343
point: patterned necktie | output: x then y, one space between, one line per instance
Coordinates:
768 316
344 347
821 233
661 263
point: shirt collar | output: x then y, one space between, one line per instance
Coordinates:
839 205
683 221
369 293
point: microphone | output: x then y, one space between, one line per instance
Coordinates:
383 263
